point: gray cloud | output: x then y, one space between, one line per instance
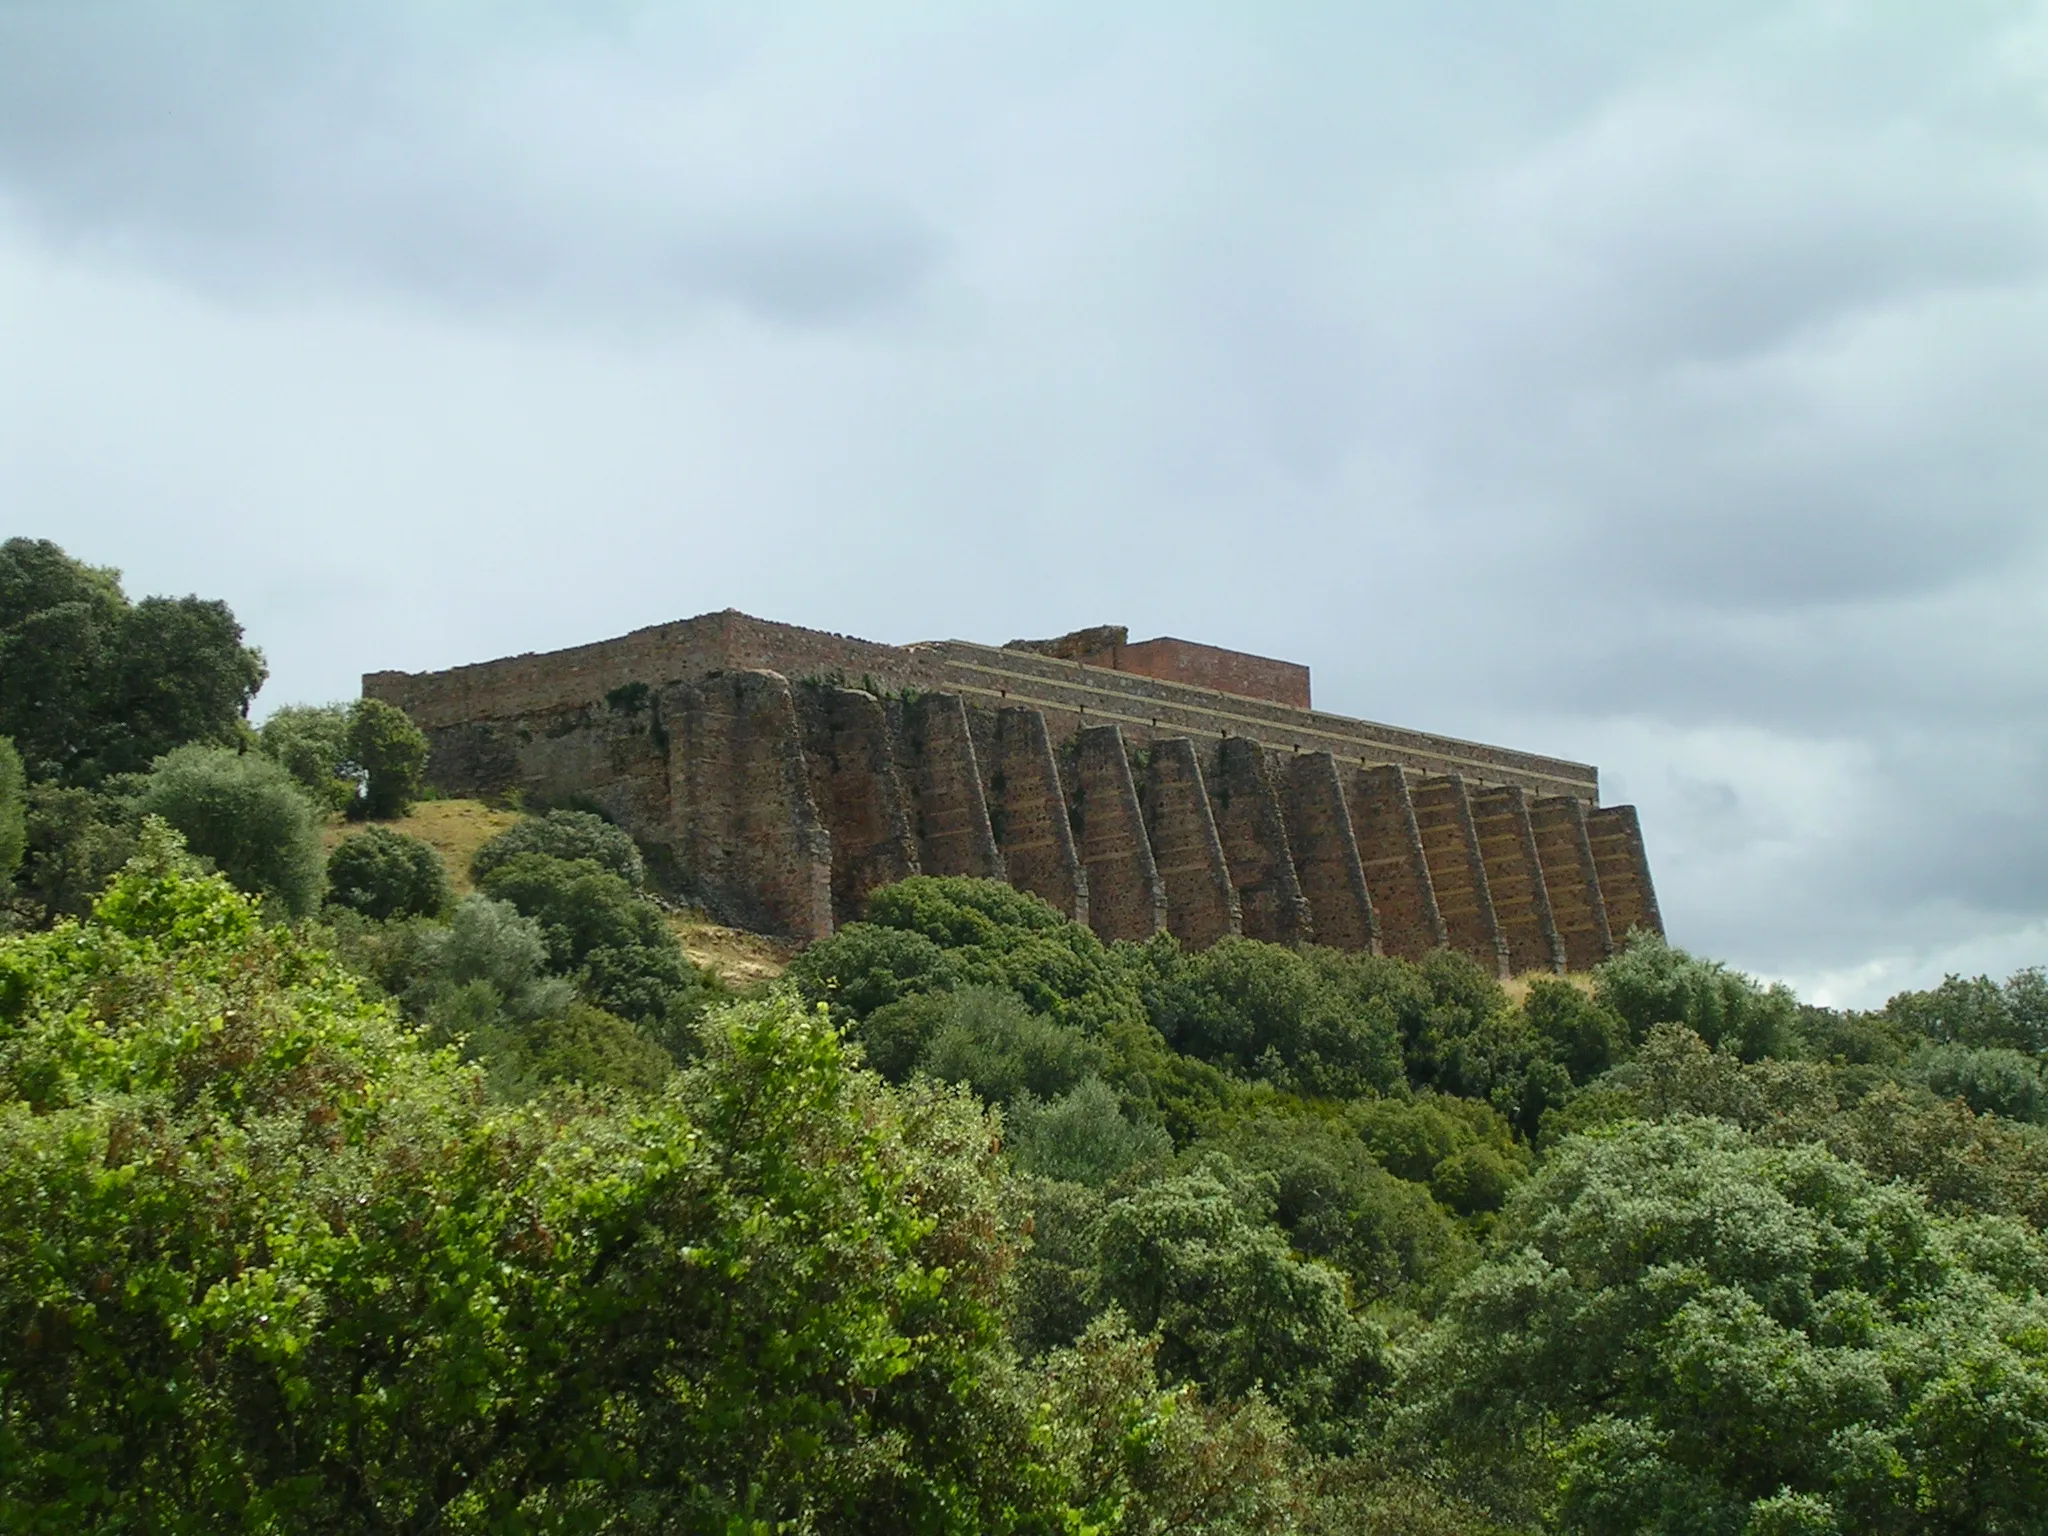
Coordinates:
1652 385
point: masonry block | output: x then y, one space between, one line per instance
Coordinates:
1514 878
936 760
1201 906
1617 840
1028 813
1572 879
1443 815
849 755
746 834
1125 898
1396 868
1244 800
1325 850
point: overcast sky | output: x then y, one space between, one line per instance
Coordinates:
1661 386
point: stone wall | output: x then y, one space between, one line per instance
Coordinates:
780 774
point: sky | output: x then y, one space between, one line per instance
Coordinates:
1657 386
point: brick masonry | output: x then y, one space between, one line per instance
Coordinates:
782 806
1514 878
1325 853
1396 867
1125 897
1244 800
1201 903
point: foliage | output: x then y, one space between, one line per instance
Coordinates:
248 816
385 874
614 942
390 752
564 835
1196 1258
1651 983
13 814
1684 1330
1083 1136
268 1264
310 741
1994 1080
986 1038
92 685
1261 1010
1581 1035
1462 1150
1979 1012
77 839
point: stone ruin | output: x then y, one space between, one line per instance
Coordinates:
779 774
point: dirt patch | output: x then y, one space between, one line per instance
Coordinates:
1517 987
739 958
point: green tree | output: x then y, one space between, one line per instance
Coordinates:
268 1264
1683 1330
385 874
13 815
1651 983
92 685
311 741
76 840
986 1038
1195 1258
564 835
247 815
391 754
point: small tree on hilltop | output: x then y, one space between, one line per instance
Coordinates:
391 752
247 815
385 874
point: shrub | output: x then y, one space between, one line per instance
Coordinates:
1581 1035
864 967
391 753
248 816
13 814
77 840
988 1039
567 835
1083 1136
1650 983
1995 1081
385 874
311 742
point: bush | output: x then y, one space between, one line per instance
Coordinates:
1650 983
310 741
864 967
13 814
77 840
1582 1036
1083 1136
1978 1012
391 753
385 874
583 1045
567 835
1995 1081
247 816
988 1039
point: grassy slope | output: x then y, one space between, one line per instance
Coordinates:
457 828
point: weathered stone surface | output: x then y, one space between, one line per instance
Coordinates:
1125 898
1514 878
1572 879
745 832
936 758
1625 886
1443 815
1326 859
1201 906
847 750
1028 811
1244 799
1396 868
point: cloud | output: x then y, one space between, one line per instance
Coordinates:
1656 386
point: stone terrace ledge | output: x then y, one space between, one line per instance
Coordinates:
1151 708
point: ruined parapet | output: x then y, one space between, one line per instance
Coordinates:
1396 867
1572 879
1443 815
1125 898
1514 878
1201 906
1617 840
1326 859
745 833
1244 799
847 750
936 760
1028 813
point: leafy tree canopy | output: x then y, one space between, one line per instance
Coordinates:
381 873
92 684
245 814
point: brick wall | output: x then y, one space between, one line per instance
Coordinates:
1244 800
1325 852
1125 898
1201 906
